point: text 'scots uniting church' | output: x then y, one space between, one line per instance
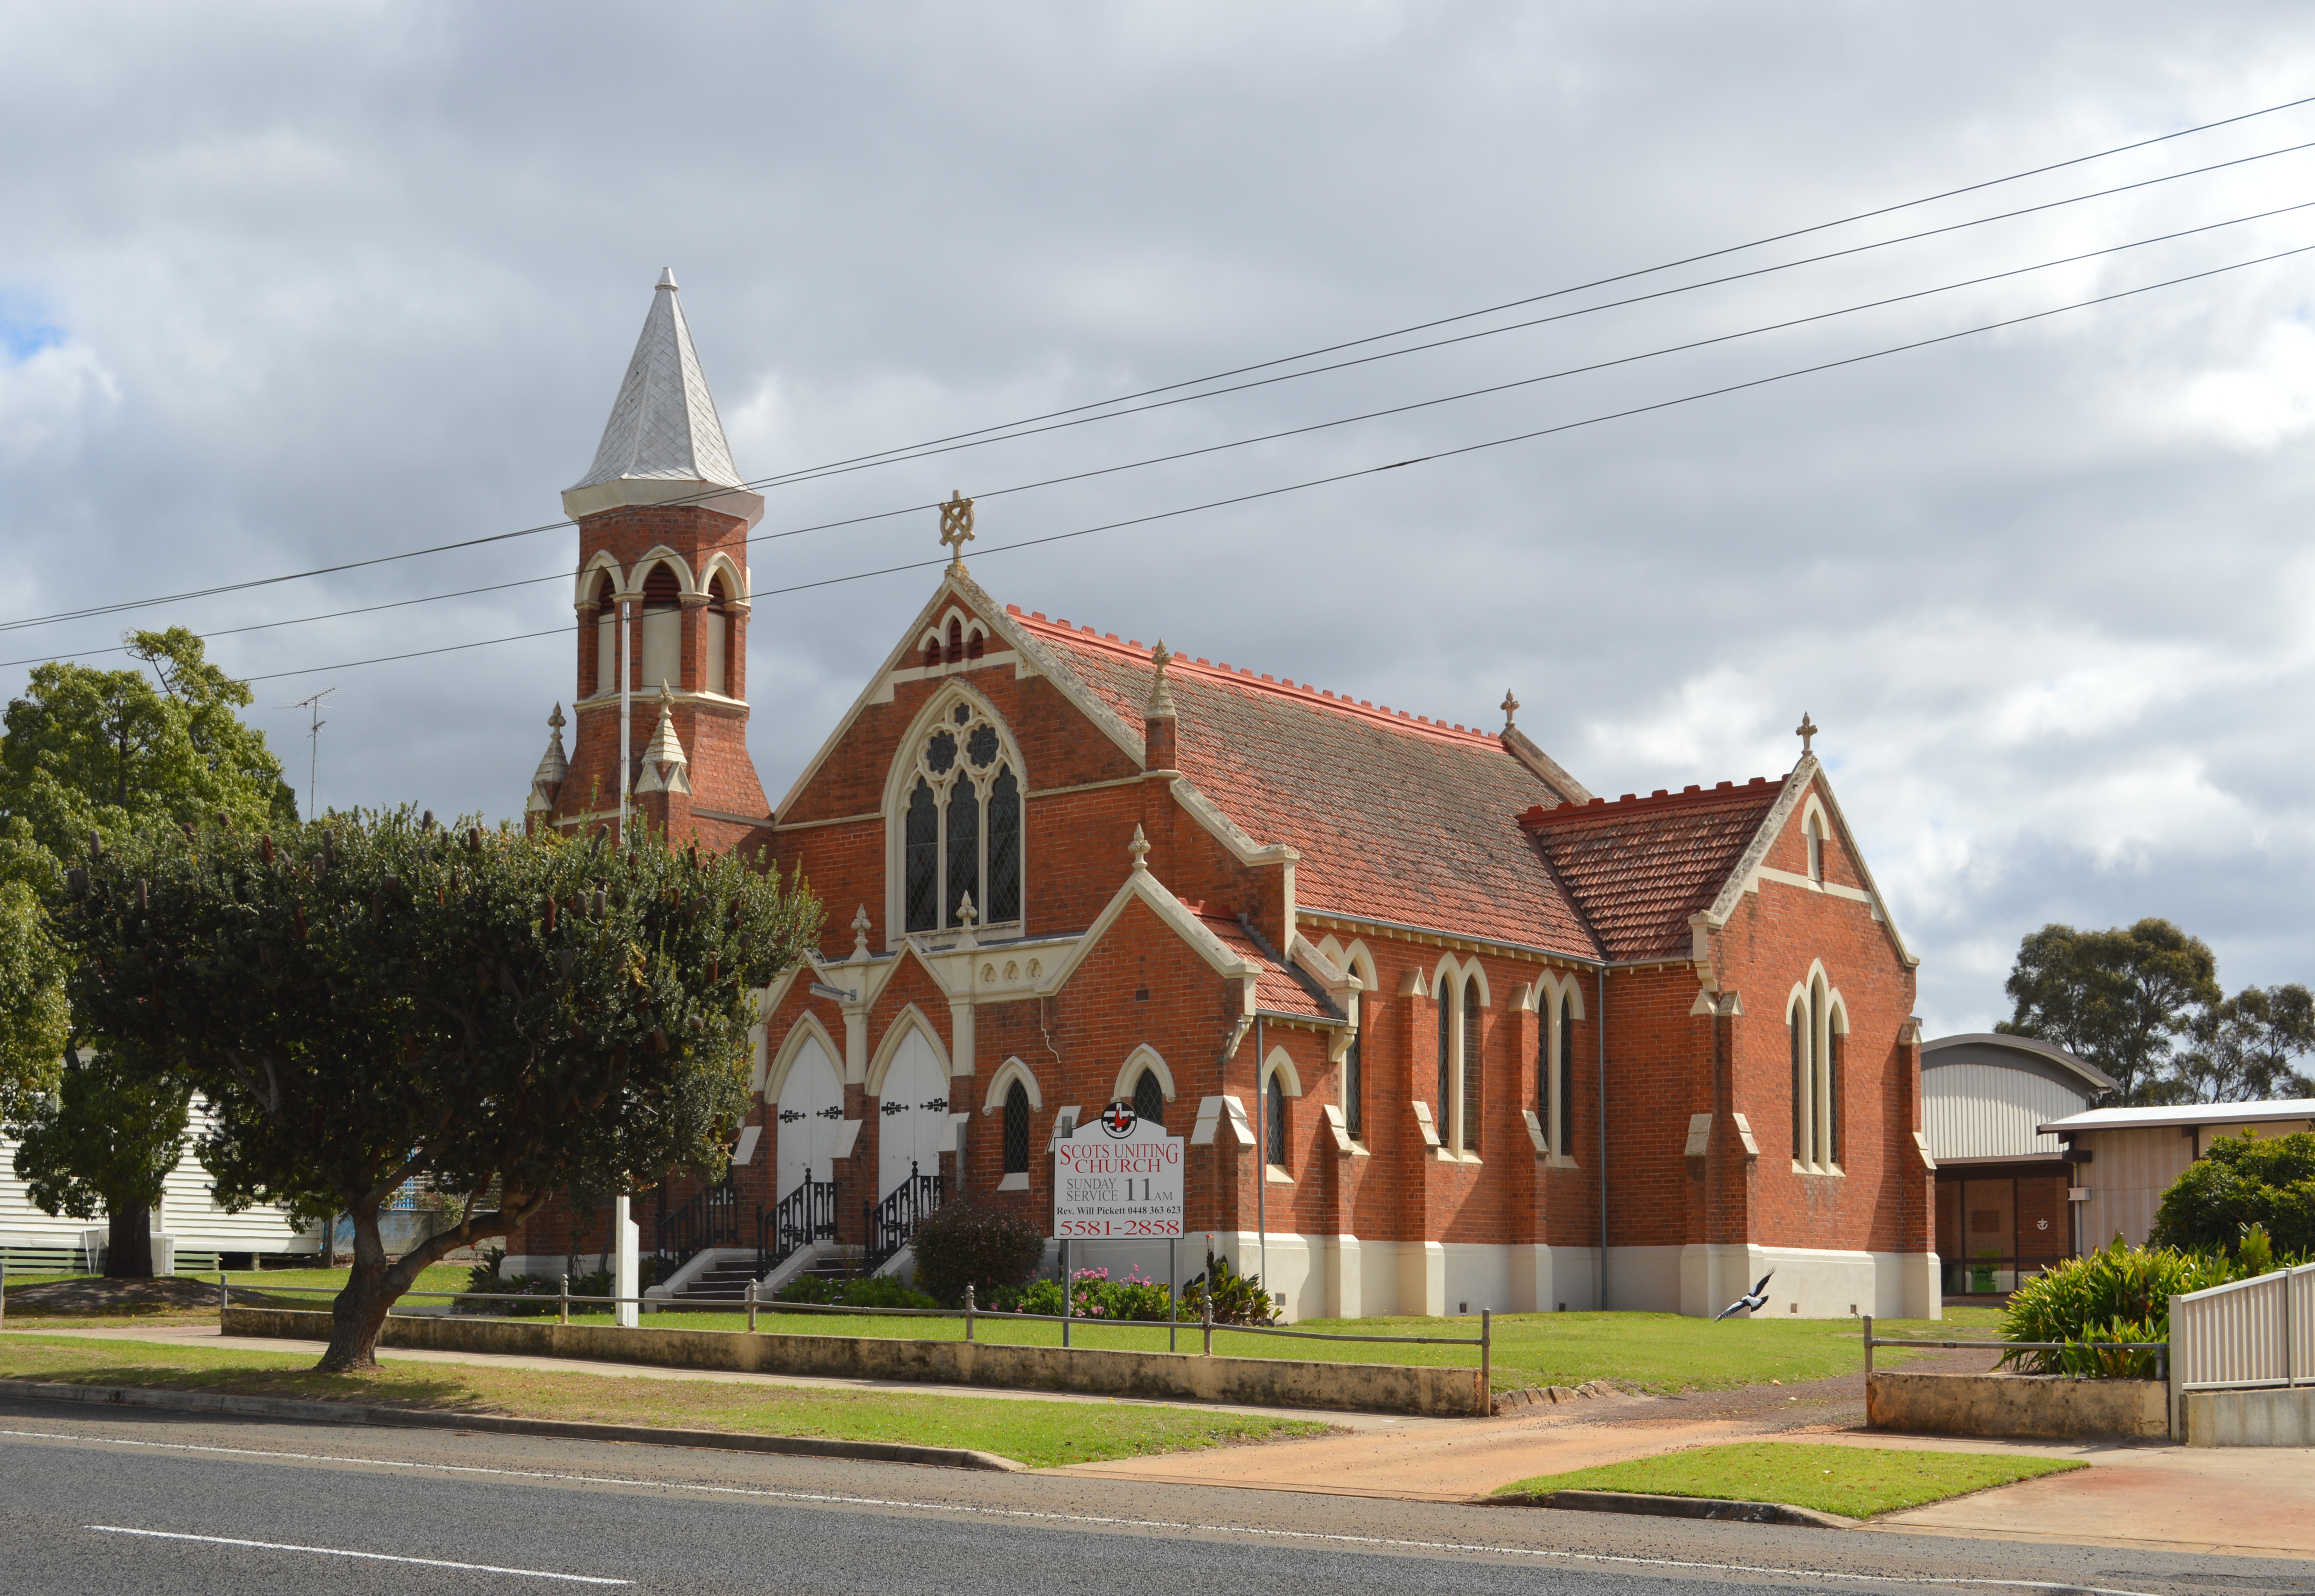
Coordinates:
1087 869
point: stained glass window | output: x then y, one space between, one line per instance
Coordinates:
1004 849
1017 1130
940 753
981 748
923 888
964 851
1149 1098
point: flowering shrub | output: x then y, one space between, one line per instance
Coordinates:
874 1292
1093 1295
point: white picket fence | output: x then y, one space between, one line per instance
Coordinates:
2246 1333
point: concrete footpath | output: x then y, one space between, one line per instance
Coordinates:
2239 1501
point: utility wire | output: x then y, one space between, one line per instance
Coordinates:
1513 384
1436 455
808 472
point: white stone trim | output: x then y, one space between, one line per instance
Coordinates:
1227 831
879 1063
1001 1084
807 1026
1129 1075
1282 1063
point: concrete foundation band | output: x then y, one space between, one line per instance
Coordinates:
1353 1277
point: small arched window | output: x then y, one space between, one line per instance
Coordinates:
1149 1098
1275 1122
1471 1083
1566 1144
1017 1130
932 653
1442 1107
1816 848
1354 1114
961 820
975 644
956 639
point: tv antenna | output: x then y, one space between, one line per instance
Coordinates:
313 707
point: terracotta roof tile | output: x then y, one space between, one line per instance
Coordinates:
1397 817
1640 866
1278 988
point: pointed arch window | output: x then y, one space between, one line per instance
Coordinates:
1446 1000
1149 1098
1565 1147
606 633
960 825
1354 1092
721 633
1275 1122
1555 1076
1819 1032
662 630
1469 1116
1017 1130
1815 832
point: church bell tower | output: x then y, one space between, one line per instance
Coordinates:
662 599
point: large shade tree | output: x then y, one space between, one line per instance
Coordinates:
376 1001
89 752
2121 999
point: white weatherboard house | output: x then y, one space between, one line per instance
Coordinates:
2127 1158
197 1230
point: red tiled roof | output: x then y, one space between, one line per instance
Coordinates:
1397 817
1640 866
1276 990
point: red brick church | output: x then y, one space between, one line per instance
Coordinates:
1442 1028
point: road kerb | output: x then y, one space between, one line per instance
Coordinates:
346 1413
1677 1507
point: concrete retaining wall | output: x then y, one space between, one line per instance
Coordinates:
2274 1418
1267 1382
2047 1405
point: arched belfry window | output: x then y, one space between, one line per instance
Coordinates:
717 677
1815 832
662 630
606 633
960 825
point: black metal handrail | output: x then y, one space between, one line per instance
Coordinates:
709 1217
805 1215
891 1222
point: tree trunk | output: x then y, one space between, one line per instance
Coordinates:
128 1250
359 1311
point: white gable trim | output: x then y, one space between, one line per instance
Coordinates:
807 1028
1142 886
909 1018
1806 777
1227 831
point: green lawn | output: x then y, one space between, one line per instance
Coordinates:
441 1277
1857 1481
1043 1434
1656 1352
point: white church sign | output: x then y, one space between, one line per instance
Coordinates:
1117 1177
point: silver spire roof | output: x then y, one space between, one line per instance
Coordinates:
664 442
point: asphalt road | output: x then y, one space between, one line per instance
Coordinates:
123 1502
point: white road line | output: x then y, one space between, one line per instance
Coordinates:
1393 1543
277 1546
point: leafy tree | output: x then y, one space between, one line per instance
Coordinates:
2244 1048
2118 998
377 1002
2239 1181
103 752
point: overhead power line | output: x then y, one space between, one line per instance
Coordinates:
1436 455
912 451
1285 432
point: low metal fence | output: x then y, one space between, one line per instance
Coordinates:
755 1305
1995 1345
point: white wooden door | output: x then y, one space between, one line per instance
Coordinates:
812 1105
914 1110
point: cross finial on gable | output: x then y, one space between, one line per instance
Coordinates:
1510 707
956 528
1807 732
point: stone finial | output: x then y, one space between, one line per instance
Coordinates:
664 764
553 767
1510 707
1807 732
860 933
956 528
1161 696
965 917
1139 848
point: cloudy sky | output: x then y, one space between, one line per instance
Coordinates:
282 285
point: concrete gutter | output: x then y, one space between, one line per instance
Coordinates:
411 1418
1679 1507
